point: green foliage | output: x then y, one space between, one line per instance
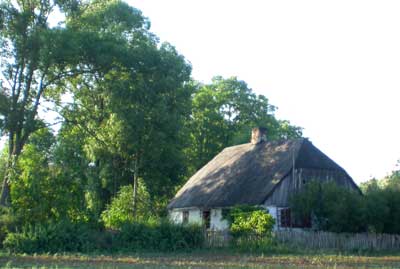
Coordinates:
81 237
53 237
40 192
331 207
159 235
340 210
33 188
383 204
258 222
223 114
120 211
7 223
3 161
249 220
130 107
32 68
131 116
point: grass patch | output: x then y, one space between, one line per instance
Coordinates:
198 259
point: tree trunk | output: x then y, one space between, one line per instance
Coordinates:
135 188
14 150
5 190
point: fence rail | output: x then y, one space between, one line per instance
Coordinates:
317 240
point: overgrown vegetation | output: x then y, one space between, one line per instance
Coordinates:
250 226
65 236
336 209
245 220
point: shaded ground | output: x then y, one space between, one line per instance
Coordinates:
197 260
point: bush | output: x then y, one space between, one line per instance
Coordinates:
251 227
249 220
66 236
119 211
53 237
7 222
332 207
159 236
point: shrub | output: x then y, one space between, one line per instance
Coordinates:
66 236
159 236
332 207
119 211
53 237
249 220
7 222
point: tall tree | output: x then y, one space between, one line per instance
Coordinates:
29 71
223 114
130 110
40 62
151 109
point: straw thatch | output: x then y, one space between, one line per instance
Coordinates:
248 173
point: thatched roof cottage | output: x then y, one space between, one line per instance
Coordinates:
261 173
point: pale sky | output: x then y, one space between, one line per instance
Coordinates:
332 67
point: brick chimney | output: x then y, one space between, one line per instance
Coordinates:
258 135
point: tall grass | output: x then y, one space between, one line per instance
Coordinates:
80 237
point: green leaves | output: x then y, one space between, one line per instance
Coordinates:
130 110
249 220
331 207
120 211
223 114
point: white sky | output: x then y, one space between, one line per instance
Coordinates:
332 67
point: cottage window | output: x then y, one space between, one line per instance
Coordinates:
185 217
206 219
285 218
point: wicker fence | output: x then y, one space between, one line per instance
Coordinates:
318 240
342 241
217 238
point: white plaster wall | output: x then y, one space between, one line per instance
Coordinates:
273 211
176 216
217 223
195 216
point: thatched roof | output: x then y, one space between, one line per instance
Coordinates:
247 174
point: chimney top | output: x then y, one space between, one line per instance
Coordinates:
258 135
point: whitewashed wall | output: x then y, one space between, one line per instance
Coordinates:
195 216
176 216
217 223
273 211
